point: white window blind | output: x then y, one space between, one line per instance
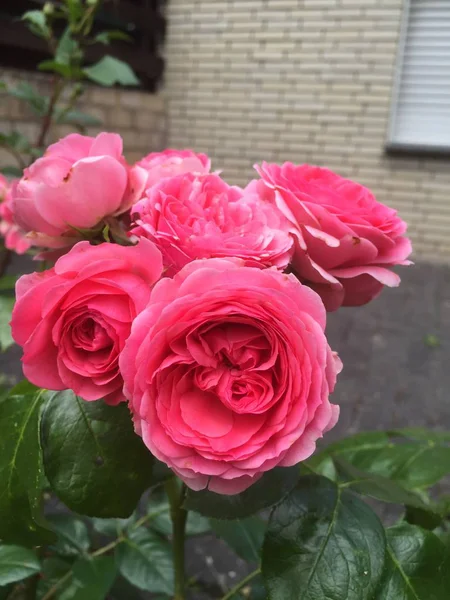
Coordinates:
421 103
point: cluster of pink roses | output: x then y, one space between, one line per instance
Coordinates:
201 304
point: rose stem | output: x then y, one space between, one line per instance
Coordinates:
178 514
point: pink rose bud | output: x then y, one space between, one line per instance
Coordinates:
72 321
346 241
13 235
228 373
191 217
169 163
79 181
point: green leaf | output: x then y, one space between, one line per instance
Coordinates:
322 542
106 37
267 491
387 490
26 92
67 48
76 117
244 536
417 566
6 306
414 464
321 464
21 470
195 524
112 467
92 579
421 434
24 387
10 171
145 560
75 9
17 563
15 140
109 71
112 527
8 282
53 569
158 510
368 440
37 23
257 589
73 537
67 55
443 505
55 67
428 518
376 486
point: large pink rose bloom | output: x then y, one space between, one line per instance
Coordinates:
79 181
346 241
228 373
169 163
73 320
14 237
190 217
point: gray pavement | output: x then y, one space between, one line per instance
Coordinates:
396 354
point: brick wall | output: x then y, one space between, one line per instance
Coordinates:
139 117
300 80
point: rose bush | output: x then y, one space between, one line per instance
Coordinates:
228 373
73 320
170 162
79 181
15 239
346 241
191 217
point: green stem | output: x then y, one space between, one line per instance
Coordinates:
238 587
52 591
108 547
58 86
105 549
178 515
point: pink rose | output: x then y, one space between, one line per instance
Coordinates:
190 217
345 240
14 237
73 320
228 373
78 182
169 163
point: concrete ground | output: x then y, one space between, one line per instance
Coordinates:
395 352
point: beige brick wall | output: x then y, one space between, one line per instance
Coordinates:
138 116
306 81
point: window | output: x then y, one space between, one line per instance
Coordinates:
141 19
420 116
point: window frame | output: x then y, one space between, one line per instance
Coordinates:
393 147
